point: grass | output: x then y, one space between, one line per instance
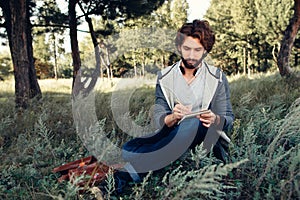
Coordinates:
264 150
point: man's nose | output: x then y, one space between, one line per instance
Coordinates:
192 54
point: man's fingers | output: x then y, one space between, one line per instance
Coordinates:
207 119
205 123
206 115
183 110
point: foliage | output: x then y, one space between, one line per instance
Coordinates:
267 134
49 35
248 33
43 69
264 150
142 45
49 13
5 66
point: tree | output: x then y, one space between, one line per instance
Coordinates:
148 41
50 25
272 19
73 38
5 66
288 41
18 27
41 48
227 50
247 32
115 10
177 14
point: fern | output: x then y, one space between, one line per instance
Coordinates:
138 191
207 182
110 187
199 155
266 132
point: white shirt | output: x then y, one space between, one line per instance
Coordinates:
189 94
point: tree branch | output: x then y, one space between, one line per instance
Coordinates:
58 26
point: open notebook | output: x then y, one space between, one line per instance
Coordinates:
193 114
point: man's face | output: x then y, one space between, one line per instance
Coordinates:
191 51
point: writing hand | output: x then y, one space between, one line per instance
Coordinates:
182 110
179 111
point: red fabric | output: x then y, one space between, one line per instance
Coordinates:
89 169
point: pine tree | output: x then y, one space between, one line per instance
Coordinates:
248 32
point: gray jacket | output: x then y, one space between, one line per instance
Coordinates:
215 96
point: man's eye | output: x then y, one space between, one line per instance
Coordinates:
186 48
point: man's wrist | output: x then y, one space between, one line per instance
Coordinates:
217 120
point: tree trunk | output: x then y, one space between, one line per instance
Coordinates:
80 85
236 66
288 41
249 64
35 90
73 38
55 57
134 64
244 61
18 27
143 63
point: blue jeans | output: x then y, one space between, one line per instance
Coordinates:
134 149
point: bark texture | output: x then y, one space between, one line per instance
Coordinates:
288 41
18 27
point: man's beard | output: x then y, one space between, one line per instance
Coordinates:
191 66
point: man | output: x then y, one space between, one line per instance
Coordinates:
188 86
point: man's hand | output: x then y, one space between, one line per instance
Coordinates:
181 110
178 112
209 118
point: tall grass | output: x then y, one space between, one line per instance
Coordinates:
265 149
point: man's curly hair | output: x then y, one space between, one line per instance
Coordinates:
197 29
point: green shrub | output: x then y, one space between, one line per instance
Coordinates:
264 151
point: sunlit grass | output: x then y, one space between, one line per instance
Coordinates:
56 86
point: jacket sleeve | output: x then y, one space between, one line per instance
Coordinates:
221 104
161 107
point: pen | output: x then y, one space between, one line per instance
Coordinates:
177 101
